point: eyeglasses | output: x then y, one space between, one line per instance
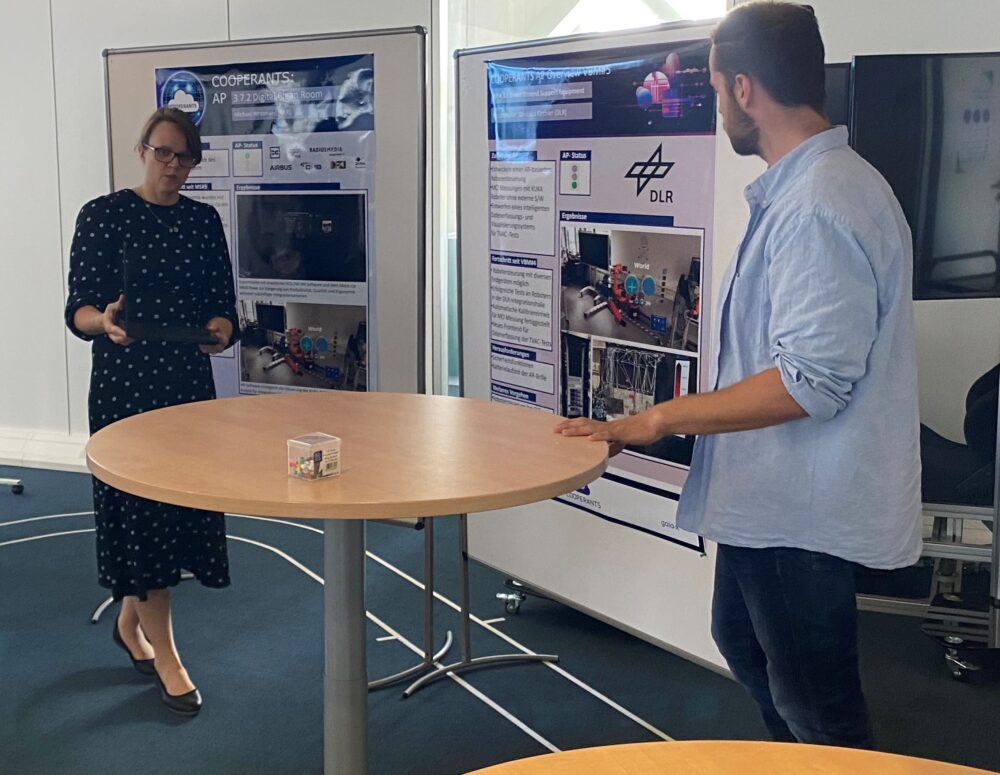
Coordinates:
166 155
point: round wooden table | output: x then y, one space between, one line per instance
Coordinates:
401 456
723 757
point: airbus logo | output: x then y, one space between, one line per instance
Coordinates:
654 168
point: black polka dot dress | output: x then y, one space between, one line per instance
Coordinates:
180 250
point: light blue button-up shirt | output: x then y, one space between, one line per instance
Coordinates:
821 288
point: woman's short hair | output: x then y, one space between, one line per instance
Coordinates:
184 124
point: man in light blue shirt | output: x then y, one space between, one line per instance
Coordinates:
807 459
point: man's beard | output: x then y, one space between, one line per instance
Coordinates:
744 134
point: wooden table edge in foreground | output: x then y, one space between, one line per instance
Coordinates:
724 757
412 451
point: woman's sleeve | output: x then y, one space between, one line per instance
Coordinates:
220 297
94 263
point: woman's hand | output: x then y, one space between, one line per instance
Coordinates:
222 329
109 321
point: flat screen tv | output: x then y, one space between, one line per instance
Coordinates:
930 123
271 317
595 249
838 93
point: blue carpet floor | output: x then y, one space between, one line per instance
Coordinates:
70 703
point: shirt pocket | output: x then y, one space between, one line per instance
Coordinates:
750 306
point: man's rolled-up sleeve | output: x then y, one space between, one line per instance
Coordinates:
824 311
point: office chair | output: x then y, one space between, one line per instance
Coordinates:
963 474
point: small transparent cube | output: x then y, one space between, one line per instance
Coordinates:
314 456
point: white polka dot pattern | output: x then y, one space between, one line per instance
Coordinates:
141 544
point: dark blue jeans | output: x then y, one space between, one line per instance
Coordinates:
786 622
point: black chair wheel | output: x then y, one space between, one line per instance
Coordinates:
17 489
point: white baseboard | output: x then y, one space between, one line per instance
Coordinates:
42 449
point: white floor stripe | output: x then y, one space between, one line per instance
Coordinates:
281 554
412 647
486 624
494 621
524 649
378 622
473 690
49 516
279 521
46 535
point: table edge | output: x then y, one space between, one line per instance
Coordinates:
375 510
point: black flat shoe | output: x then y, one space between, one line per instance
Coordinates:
144 666
187 704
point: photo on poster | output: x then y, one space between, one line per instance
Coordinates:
659 89
311 346
293 96
631 284
302 235
575 397
626 380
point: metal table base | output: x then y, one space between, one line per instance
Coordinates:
429 658
468 662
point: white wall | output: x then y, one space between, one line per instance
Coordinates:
32 350
80 32
665 594
262 19
61 162
957 341
855 27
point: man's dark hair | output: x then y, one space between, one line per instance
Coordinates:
777 44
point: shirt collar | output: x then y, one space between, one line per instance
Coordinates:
771 183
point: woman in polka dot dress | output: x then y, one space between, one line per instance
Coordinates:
177 246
